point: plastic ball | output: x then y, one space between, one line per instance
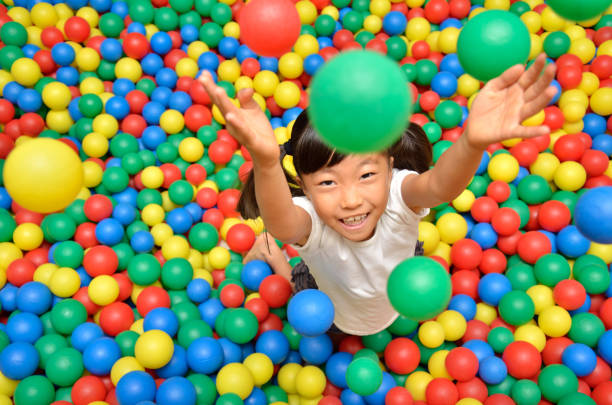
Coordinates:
204 355
592 214
18 360
363 376
589 9
35 388
491 42
369 129
556 381
310 312
134 387
51 184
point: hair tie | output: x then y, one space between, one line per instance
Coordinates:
287 148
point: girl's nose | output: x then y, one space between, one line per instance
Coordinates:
351 198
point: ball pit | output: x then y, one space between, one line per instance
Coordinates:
121 274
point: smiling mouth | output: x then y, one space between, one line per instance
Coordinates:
355 221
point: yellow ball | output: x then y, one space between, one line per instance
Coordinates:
43 273
196 48
570 176
265 82
175 246
232 29
331 11
436 365
152 177
92 174
26 72
310 382
468 401
416 384
503 167
219 257
306 45
64 282
154 349
485 313
287 95
91 85
380 8
95 145
545 165
418 28
373 24
573 111
453 323
229 70
287 376
497 4
44 15
7 385
307 11
123 366
532 20
555 321
261 367
59 121
235 378
43 175
447 41
63 11
8 253
128 68
542 297
464 201
172 121
589 83
429 235
601 101
290 65
28 236
537 45
442 250
152 214
187 67
467 85
90 15
584 48
103 290
531 334
191 149
56 95
87 60
535 120
451 227
551 21
431 334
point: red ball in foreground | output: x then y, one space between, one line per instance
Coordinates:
462 364
240 238
522 359
533 245
402 355
398 396
279 32
441 391
569 294
275 290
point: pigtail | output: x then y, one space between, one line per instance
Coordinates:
413 150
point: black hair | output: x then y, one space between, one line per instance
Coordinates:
310 154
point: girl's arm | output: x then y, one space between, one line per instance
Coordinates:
496 115
250 126
274 256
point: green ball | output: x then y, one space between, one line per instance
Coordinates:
588 9
504 387
229 399
448 114
67 314
425 71
68 254
519 8
65 367
403 326
233 271
410 72
556 44
146 86
396 48
58 227
13 33
595 279
521 276
211 33
551 268
364 37
478 186
292 335
148 196
367 353
176 273
122 144
577 398
377 341
516 308
361 118
185 312
141 11
166 19
419 288
520 207
76 212
586 328
585 261
181 6
4 340
491 42
180 192
7 226
115 179
526 392
500 337
534 189
221 13
8 55
439 148
124 253
34 390
63 394
206 391
192 330
557 381
325 25
203 236
190 18
48 345
241 325
144 269
352 21
363 376
132 163
111 25
127 341
227 178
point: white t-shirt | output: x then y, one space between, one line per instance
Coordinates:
354 274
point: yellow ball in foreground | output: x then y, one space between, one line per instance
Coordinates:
43 175
154 349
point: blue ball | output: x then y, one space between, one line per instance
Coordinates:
480 348
232 352
84 334
8 297
557 95
290 115
12 91
29 50
142 241
293 357
180 101
34 297
603 142
593 214
121 87
152 63
118 107
312 63
268 63
152 112
594 124
19 360
63 54
85 278
166 77
161 95
205 355
310 312
109 231
580 358
348 397
450 63
136 27
464 304
316 350
30 100
450 23
228 46
492 370
257 397
135 387
604 346
325 42
444 83
179 220
492 287
124 213
120 8
67 75
195 211
163 319
209 310
177 366
274 344
244 52
111 49
394 23
189 33
101 6
484 234
208 60
335 368
73 109
100 356
253 273
176 390
153 136
378 397
198 290
161 43
24 327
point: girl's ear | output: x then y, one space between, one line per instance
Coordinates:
300 183
391 162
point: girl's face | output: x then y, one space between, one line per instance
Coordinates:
351 196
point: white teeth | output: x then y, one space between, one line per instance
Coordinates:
354 220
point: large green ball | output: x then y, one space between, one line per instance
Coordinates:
34 390
363 376
491 42
13 33
360 102
585 11
557 381
419 288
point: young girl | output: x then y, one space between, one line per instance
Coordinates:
358 217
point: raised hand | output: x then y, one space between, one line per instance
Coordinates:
247 123
506 101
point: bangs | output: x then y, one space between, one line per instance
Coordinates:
311 153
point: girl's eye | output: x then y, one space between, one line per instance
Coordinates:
368 175
326 183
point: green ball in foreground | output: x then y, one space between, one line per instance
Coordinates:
360 102
588 8
364 376
491 42
419 288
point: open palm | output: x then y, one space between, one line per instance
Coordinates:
506 101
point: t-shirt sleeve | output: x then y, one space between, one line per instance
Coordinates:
396 208
316 231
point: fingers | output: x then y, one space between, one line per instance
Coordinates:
245 97
541 83
540 101
532 74
506 79
529 132
217 94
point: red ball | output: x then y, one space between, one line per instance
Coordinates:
498 190
240 238
466 254
437 11
429 100
198 94
197 116
601 373
227 201
476 330
499 399
87 389
206 197
421 50
275 290
568 60
77 29
23 216
85 235
553 350
602 394
31 124
602 35
83 297
569 77
44 59
522 359
605 313
100 260
250 67
330 400
441 391
473 388
171 174
137 100
272 322
38 256
459 8
542 142
116 318
220 152
554 216
51 36
569 147
377 45
279 32
461 364
569 294
351 344
493 261
402 355
232 296
533 245
553 117
134 124
195 174
7 111
398 395
595 162
525 153
98 207
20 271
506 221
125 285
465 282
152 297
483 208
259 307
602 66
213 216
135 45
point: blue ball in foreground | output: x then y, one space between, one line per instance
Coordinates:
310 312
